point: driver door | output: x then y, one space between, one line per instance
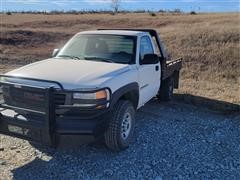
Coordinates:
148 74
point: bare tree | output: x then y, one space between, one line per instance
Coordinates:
115 4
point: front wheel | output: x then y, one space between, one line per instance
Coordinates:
121 126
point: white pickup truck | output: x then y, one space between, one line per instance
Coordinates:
92 86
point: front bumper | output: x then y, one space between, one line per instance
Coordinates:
33 127
47 125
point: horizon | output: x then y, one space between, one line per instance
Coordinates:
202 6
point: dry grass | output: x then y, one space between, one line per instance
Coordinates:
208 43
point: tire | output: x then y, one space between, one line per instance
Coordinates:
122 113
166 90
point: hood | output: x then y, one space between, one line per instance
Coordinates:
72 74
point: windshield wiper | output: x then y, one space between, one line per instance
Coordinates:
99 58
68 56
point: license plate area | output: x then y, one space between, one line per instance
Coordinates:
25 133
18 130
30 134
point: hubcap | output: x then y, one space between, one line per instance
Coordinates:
126 126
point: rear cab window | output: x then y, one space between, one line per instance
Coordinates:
145 47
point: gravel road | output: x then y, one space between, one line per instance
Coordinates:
172 141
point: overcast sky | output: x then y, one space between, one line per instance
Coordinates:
185 5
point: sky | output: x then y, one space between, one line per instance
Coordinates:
153 5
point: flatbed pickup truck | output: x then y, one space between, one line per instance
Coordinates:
91 87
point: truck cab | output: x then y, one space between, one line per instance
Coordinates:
92 86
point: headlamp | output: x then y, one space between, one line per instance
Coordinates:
98 99
102 94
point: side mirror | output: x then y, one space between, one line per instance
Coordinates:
150 59
55 52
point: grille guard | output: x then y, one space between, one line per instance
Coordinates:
48 114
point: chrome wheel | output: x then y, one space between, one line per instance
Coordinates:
126 126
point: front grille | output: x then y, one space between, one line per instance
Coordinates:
30 98
59 99
24 98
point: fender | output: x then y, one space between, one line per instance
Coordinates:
128 92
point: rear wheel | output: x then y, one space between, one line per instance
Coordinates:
166 90
121 126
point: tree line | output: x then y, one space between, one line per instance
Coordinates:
77 12
115 8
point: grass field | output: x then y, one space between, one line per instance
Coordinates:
208 43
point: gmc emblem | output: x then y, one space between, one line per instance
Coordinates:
33 97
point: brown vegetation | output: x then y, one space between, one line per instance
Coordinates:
208 43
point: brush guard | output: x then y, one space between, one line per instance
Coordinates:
15 120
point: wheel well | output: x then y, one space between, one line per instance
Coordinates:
132 96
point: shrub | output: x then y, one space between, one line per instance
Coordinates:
9 13
193 13
152 14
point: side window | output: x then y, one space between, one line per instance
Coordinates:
145 47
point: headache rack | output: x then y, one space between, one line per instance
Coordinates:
168 67
152 32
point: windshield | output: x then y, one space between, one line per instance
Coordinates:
107 48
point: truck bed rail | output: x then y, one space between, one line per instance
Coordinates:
172 68
172 62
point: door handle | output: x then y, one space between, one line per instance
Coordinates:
157 68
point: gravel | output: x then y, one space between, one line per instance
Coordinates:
172 141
